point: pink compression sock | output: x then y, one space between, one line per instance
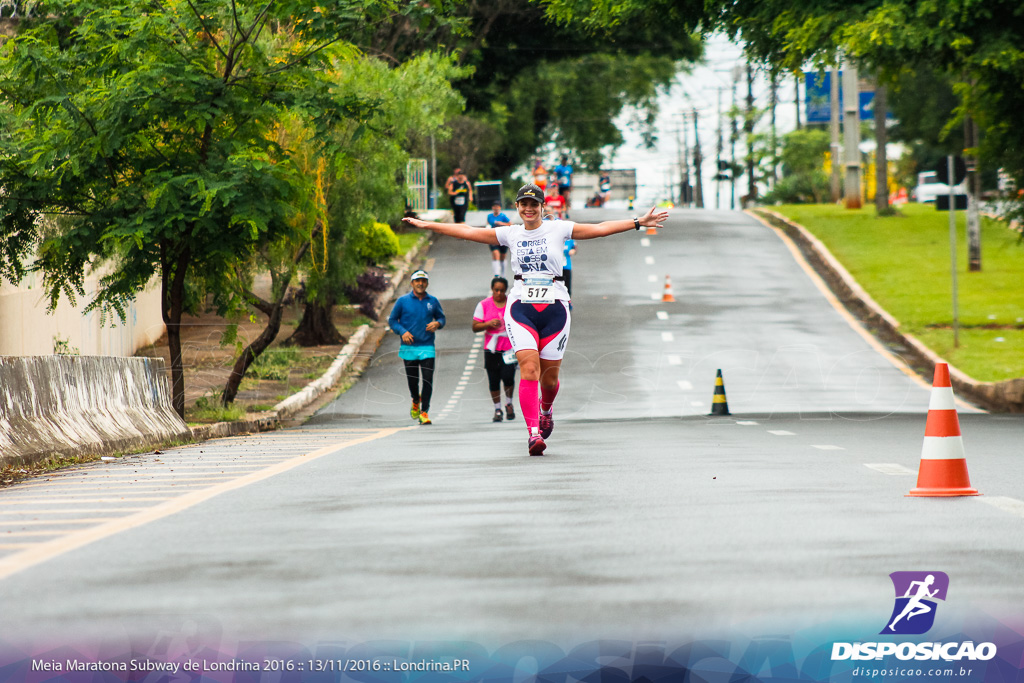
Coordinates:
529 402
547 396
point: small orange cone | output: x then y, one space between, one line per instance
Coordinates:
668 296
652 230
943 469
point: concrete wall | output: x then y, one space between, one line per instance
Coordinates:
26 328
75 405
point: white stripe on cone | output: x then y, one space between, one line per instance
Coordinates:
941 399
943 448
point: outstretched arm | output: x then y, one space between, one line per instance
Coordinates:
460 230
589 231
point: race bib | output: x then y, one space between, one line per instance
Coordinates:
460 200
538 289
509 357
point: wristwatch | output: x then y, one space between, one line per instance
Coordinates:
636 223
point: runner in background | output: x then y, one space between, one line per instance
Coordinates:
499 359
567 253
496 218
563 175
604 186
537 317
461 194
554 203
540 174
415 317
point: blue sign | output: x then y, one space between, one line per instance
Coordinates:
818 98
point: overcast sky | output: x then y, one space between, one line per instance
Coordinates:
700 90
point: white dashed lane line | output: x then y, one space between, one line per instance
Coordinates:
645 242
649 260
662 315
890 468
684 385
667 337
674 360
827 447
1004 503
780 432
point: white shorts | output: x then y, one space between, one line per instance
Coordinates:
541 328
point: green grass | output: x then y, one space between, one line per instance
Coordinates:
275 363
408 240
904 264
209 409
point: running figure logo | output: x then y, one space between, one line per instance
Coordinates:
916 592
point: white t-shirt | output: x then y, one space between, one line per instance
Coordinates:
536 252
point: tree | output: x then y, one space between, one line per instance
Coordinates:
146 129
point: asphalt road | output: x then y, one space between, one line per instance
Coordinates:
645 518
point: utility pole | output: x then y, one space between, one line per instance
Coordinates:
684 162
851 136
698 186
796 79
881 153
774 142
718 156
748 129
734 135
835 147
973 196
432 203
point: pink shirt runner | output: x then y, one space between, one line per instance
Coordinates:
494 340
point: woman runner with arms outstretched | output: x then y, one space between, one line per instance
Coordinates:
537 315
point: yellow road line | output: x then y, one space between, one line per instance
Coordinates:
42 552
47 522
16 511
12 534
75 501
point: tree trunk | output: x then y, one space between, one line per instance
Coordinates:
316 327
252 351
172 305
881 157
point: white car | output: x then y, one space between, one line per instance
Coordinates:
929 187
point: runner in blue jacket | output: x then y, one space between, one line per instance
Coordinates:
415 317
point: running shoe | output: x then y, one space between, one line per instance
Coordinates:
497 415
509 413
547 425
537 445
424 420
414 412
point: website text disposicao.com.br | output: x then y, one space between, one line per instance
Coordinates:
905 672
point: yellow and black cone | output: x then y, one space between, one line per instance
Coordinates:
719 406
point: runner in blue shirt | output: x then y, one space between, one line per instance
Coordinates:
415 317
497 218
563 174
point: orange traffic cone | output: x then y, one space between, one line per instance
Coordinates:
668 296
943 469
652 230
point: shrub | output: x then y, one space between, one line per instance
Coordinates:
374 243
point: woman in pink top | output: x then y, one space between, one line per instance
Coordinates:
499 361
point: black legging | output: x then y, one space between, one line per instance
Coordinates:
413 369
498 372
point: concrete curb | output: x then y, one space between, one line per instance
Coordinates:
1005 397
295 403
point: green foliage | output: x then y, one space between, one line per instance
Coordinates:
63 347
373 243
803 176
